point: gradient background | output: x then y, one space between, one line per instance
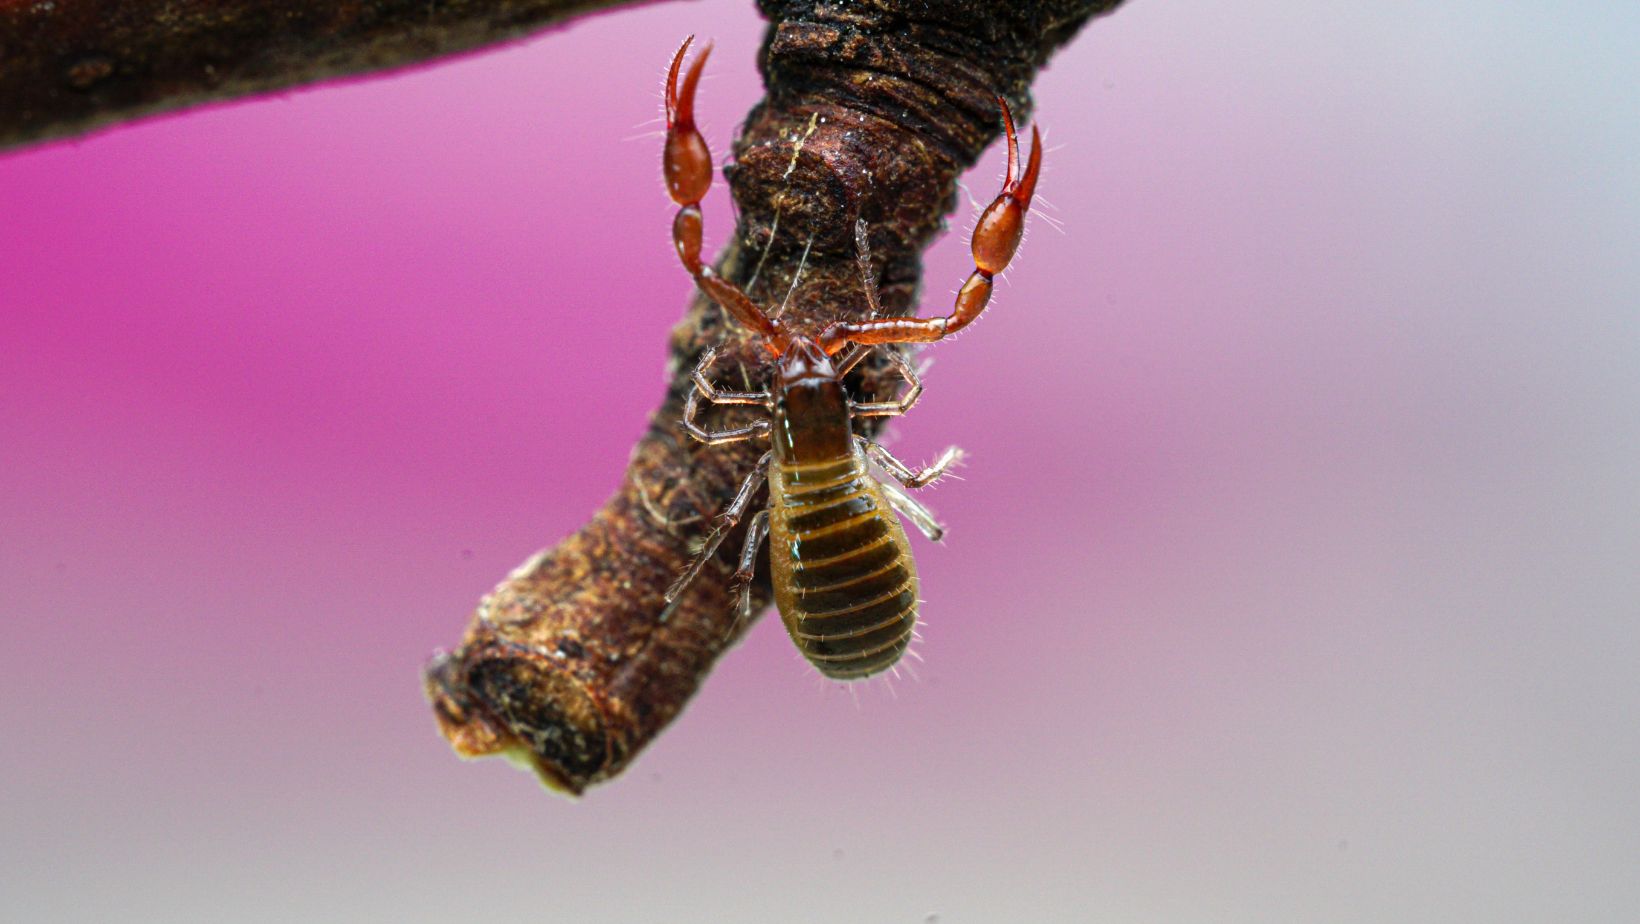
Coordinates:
1294 577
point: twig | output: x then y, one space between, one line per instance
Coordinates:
565 665
70 66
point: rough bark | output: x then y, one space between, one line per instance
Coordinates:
873 110
69 66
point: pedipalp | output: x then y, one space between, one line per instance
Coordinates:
687 166
995 240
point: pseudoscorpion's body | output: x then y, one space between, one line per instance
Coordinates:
838 556
843 576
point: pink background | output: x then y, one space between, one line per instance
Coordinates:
1293 578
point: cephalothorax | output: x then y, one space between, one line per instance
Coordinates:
840 564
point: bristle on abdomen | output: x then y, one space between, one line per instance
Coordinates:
842 570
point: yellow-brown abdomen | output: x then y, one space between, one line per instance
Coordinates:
842 570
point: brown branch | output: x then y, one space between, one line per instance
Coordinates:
69 66
873 109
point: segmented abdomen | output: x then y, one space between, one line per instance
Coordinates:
843 576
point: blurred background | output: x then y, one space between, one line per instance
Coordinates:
1293 578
